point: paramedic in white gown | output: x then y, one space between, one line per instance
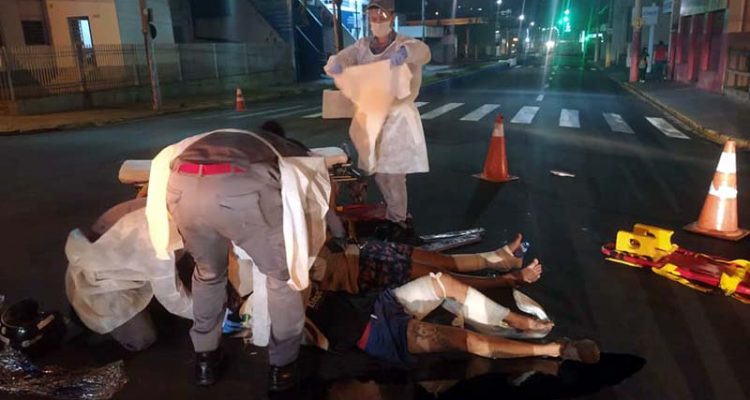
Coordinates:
401 147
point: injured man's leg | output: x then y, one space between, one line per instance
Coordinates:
421 296
424 337
502 259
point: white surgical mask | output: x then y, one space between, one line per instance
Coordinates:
381 29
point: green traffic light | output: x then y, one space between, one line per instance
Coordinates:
567 12
566 19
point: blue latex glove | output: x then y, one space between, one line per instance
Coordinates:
399 57
336 69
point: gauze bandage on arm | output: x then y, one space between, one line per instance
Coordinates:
418 296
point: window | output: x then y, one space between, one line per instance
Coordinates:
34 33
80 31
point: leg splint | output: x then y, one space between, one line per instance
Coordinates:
651 247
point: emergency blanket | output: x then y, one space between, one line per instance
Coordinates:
650 247
373 88
20 376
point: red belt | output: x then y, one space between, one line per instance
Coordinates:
362 342
208 169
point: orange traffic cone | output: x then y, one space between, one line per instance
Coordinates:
496 164
239 101
719 215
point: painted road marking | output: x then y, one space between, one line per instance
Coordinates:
569 118
617 123
480 112
215 115
293 112
264 112
525 115
666 128
421 103
316 115
540 97
441 110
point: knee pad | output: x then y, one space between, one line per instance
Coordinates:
418 296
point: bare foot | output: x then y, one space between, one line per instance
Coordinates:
524 323
530 274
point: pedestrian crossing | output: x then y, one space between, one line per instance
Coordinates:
568 118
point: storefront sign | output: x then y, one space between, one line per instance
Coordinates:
666 7
650 15
691 7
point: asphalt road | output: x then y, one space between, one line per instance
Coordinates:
661 340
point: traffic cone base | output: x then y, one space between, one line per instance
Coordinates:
504 179
734 236
718 218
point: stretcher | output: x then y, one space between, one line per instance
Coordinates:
651 247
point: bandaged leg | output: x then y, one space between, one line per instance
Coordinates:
501 259
480 308
419 297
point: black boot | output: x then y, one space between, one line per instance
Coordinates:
207 367
282 378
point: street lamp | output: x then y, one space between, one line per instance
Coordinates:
521 17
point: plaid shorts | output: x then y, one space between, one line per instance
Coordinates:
384 265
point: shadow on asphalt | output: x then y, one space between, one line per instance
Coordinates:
351 376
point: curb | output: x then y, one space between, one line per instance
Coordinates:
706 133
219 104
203 107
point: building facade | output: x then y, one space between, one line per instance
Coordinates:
699 46
85 22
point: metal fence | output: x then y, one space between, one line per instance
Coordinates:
39 71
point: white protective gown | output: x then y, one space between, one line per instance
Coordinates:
401 147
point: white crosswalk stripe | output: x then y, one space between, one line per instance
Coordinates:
617 123
264 112
540 97
480 112
421 103
525 115
569 118
666 128
441 110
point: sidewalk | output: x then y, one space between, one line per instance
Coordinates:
716 117
27 124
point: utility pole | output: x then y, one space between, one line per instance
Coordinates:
424 29
520 21
608 35
153 75
338 33
635 45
